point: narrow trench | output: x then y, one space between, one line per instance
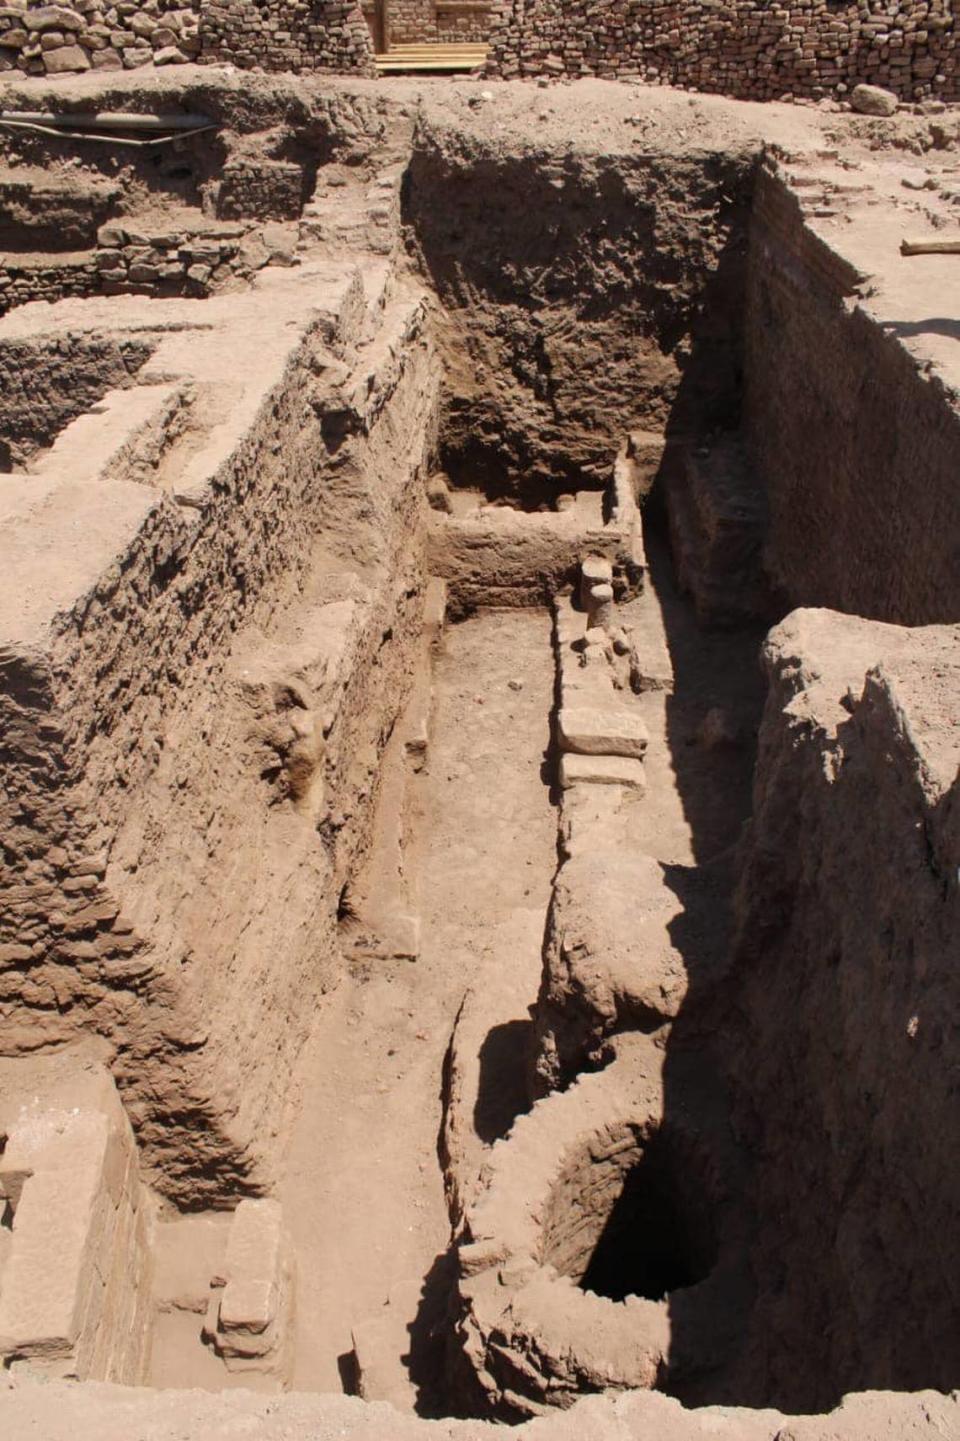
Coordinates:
469 844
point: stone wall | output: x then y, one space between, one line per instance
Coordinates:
736 47
98 35
286 35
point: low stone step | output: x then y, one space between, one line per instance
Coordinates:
606 731
601 770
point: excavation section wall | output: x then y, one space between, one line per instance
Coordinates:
554 348
844 974
220 806
856 454
222 657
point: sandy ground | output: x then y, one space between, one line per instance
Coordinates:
363 1193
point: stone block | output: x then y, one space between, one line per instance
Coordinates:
873 100
601 770
248 1305
46 1286
254 1245
247 1320
67 60
606 731
52 17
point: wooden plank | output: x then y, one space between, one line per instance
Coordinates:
397 66
397 52
930 247
426 56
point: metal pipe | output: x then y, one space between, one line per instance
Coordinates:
104 139
110 120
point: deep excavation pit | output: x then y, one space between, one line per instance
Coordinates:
481 828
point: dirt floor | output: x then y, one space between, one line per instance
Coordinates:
363 1194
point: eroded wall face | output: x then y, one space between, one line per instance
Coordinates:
843 1059
854 446
193 753
584 297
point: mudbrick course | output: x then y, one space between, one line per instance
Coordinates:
479 689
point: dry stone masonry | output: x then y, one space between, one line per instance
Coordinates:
811 49
808 49
61 39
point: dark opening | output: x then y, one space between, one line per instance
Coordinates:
502 1088
655 1240
6 1209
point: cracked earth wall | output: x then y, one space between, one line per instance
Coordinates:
571 280
843 980
146 740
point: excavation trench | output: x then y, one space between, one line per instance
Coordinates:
471 954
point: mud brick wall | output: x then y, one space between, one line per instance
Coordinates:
736 47
169 264
463 20
144 920
845 970
857 454
264 189
46 383
286 35
430 21
410 20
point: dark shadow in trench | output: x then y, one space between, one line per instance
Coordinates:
708 1361
429 1331
502 1088
652 1243
714 670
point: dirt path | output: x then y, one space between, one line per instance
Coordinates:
363 1193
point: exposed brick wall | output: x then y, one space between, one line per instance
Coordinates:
736 47
411 20
286 35
466 21
432 21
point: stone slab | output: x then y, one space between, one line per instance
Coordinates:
602 731
601 770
